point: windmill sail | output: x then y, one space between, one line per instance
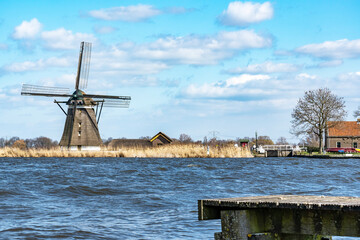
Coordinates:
107 96
115 103
35 90
85 65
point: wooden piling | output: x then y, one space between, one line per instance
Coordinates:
283 217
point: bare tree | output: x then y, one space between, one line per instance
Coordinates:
107 141
317 111
43 142
145 137
282 141
185 138
262 140
311 140
265 140
357 113
10 142
205 141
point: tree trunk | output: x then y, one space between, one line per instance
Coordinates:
321 142
326 136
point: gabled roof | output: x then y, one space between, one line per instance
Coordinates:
161 134
345 128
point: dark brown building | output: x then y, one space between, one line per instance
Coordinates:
345 134
160 139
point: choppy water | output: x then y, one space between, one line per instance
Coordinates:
108 198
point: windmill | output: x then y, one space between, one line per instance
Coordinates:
81 130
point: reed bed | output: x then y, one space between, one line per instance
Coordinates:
166 151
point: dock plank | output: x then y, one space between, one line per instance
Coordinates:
287 201
293 215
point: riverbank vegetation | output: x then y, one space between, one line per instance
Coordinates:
184 147
165 151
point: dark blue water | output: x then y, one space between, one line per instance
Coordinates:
120 198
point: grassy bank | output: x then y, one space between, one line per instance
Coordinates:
166 151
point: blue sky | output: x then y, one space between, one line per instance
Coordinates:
193 67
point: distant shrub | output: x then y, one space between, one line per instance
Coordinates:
312 149
19 144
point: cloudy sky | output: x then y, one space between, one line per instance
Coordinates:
202 67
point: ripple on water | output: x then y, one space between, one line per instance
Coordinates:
104 198
80 190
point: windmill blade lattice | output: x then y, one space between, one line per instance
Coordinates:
28 89
98 96
85 65
114 103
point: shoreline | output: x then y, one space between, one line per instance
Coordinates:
166 151
328 156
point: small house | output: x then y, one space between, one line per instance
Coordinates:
344 134
244 143
160 139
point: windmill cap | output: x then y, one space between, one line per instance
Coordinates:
78 94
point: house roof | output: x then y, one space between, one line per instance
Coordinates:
161 134
345 128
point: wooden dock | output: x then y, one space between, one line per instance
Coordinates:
283 217
279 150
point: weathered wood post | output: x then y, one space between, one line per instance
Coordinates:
283 217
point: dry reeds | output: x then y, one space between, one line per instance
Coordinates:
187 151
165 151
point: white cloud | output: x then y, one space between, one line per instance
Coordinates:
111 66
346 85
266 67
209 90
27 30
257 88
241 40
119 60
241 86
244 78
331 63
37 65
63 80
129 59
104 29
246 13
199 50
352 76
135 13
339 49
65 39
305 76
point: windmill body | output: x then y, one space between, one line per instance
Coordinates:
81 130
